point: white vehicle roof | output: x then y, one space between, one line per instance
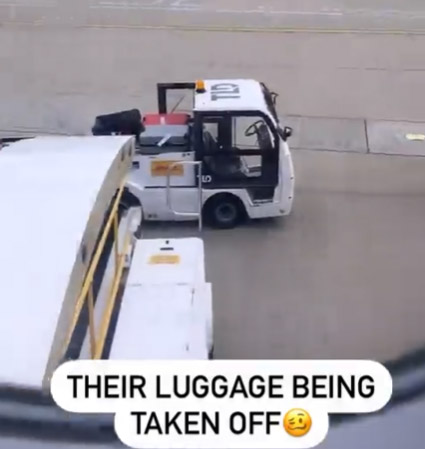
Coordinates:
166 309
235 95
48 189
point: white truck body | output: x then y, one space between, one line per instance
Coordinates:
54 192
52 228
166 310
151 190
233 134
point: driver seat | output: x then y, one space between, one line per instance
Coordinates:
222 164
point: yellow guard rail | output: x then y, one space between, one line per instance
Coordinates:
97 342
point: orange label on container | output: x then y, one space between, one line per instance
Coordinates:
167 259
162 168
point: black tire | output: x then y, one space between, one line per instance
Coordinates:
224 212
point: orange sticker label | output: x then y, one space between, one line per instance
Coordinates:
162 168
166 259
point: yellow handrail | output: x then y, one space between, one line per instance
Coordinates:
110 303
107 315
91 322
86 290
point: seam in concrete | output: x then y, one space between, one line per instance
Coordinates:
328 117
322 150
366 137
397 155
326 150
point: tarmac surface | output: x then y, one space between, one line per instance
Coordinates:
59 78
391 15
341 277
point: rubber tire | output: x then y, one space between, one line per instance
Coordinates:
213 212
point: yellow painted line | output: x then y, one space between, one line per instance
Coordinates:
270 30
227 29
416 137
92 268
111 301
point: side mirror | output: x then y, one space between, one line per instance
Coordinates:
287 133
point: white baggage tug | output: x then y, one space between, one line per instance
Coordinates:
75 283
226 160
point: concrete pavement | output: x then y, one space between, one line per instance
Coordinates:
302 14
346 268
59 79
359 136
342 277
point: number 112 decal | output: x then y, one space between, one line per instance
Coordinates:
224 91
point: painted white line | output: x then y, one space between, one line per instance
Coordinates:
29 4
197 6
189 6
385 12
215 11
151 8
184 3
150 5
272 12
179 6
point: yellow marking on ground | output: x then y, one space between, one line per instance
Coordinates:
228 29
415 137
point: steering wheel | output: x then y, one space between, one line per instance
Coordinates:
253 128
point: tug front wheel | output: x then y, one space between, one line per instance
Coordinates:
224 211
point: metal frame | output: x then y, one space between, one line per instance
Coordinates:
162 89
270 181
5 141
97 341
198 214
